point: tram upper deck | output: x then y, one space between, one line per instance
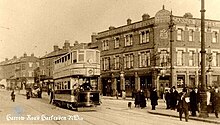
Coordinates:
81 62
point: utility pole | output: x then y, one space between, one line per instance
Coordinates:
203 112
171 51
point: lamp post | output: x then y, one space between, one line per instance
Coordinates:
171 50
203 113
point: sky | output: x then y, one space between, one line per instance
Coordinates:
35 26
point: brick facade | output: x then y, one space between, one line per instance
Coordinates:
186 51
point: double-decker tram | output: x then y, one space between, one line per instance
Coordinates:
76 79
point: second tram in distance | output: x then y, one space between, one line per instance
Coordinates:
76 79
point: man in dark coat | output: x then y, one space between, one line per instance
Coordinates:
194 100
173 98
137 99
13 95
183 106
154 98
142 100
167 98
215 97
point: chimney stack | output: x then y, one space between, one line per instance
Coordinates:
93 37
76 43
25 54
111 28
55 48
66 44
145 17
128 21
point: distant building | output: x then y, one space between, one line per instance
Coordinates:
19 72
137 55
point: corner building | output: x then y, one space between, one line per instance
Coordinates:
137 55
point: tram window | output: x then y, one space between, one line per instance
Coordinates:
68 85
81 57
74 56
68 56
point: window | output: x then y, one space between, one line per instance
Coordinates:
81 57
145 36
23 67
214 37
30 64
37 63
43 72
105 45
74 56
180 57
116 39
128 40
179 34
117 62
144 59
43 62
191 32
214 58
129 61
164 58
106 63
191 58
30 73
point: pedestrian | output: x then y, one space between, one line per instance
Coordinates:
123 94
116 93
51 96
209 105
137 99
215 97
132 94
167 98
142 99
13 95
154 98
194 100
183 106
147 93
173 98
28 94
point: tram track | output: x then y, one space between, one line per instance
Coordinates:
63 112
88 117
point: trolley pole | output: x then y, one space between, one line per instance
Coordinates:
203 112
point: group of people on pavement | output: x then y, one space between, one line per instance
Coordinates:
189 100
140 100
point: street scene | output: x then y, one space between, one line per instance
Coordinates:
113 62
111 112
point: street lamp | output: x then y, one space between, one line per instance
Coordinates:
203 113
171 26
209 71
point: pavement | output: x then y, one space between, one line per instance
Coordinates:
160 109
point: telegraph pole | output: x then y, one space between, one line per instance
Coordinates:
203 112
